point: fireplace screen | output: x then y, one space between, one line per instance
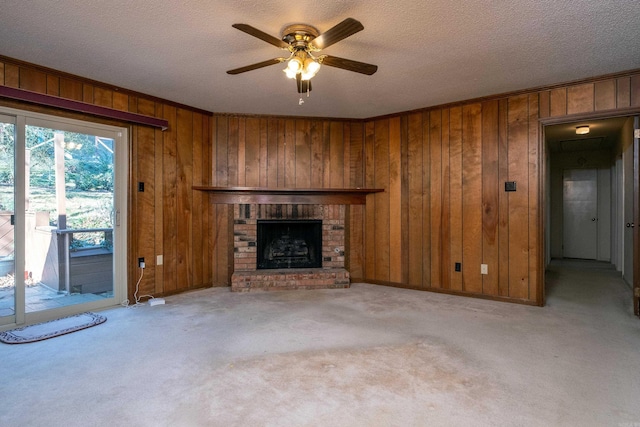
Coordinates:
289 244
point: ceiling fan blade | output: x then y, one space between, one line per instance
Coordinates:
303 86
256 66
350 65
336 33
252 31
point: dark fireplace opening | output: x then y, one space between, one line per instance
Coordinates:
289 244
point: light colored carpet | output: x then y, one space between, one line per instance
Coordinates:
365 356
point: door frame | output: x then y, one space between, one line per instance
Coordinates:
543 176
120 228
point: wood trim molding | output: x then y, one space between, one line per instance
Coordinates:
80 107
285 196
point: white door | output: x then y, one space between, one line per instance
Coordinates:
580 213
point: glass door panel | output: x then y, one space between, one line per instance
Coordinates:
69 224
7 220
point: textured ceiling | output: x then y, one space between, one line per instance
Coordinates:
428 52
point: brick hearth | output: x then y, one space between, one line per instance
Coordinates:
332 274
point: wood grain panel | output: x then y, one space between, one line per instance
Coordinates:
435 197
396 246
415 164
382 238
87 93
103 97
2 73
605 95
518 123
241 147
184 194
253 162
12 75
580 98
53 85
120 101
70 89
356 158
272 153
158 212
346 154
490 196
426 201
635 91
290 153
558 102
233 147
145 203
534 209
303 154
169 201
316 168
370 213
472 198
623 98
503 199
33 80
455 195
545 103
336 156
263 153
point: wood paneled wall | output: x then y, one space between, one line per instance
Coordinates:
168 218
443 170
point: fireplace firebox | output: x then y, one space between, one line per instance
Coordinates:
283 244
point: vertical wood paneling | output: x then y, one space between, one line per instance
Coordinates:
503 199
12 75
316 168
490 196
605 95
370 213
103 97
415 165
443 171
455 196
169 205
534 208
336 155
303 154
435 196
33 80
184 201
623 97
580 98
558 102
158 213
518 132
396 254
53 85
252 152
381 236
426 200
635 91
70 89
472 198
289 153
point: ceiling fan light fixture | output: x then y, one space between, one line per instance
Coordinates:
582 130
310 69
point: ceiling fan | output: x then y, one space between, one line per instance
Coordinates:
303 42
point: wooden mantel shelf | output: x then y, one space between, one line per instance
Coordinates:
299 196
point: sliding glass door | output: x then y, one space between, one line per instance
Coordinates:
67 201
7 220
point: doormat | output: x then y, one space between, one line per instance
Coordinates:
53 328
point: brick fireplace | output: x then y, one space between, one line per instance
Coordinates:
247 275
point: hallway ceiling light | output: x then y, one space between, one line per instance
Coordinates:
582 130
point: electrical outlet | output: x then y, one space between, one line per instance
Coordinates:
458 266
484 269
159 260
141 262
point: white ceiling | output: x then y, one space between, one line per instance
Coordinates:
429 52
